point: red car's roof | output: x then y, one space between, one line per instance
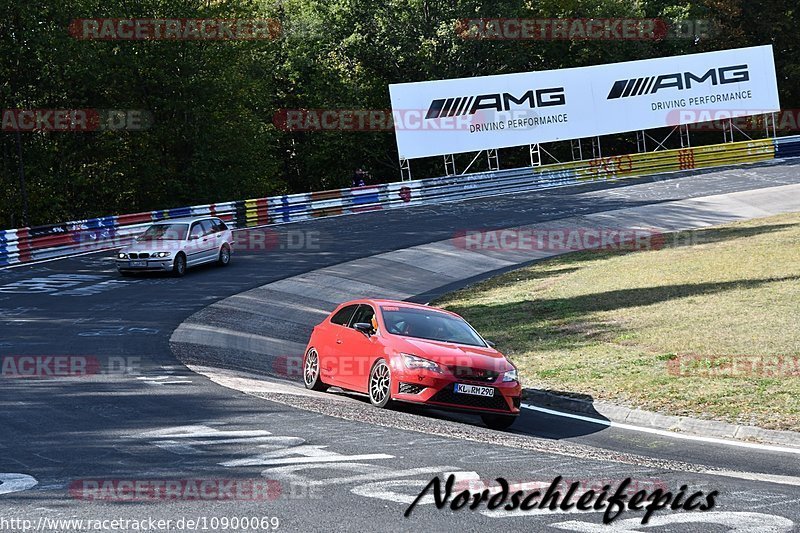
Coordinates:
380 302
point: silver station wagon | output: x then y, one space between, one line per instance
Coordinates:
176 244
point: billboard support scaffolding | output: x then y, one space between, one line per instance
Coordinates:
641 141
597 152
536 155
770 118
405 170
642 136
471 163
728 130
450 164
683 132
577 150
493 159
536 151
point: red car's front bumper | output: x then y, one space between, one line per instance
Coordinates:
438 390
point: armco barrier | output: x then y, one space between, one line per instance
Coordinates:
59 240
787 147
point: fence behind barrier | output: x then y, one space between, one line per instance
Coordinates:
105 233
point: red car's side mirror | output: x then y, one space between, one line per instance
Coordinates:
364 327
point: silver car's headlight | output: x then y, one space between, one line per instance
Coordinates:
122 255
414 362
160 254
511 375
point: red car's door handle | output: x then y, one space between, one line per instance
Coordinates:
338 341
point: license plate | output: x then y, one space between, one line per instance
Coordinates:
475 390
138 263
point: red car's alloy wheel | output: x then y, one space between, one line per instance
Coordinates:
380 384
311 371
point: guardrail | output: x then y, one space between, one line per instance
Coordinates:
25 245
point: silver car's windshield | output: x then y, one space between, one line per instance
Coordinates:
165 232
430 325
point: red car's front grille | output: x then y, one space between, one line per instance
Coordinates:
474 374
447 395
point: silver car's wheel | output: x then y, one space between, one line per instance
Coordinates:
311 376
224 255
380 384
179 266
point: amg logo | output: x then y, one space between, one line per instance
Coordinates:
469 105
679 81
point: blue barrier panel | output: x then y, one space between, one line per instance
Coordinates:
94 232
284 207
179 212
3 248
787 147
366 196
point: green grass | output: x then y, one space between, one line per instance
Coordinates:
608 324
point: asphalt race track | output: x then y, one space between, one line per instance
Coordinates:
155 420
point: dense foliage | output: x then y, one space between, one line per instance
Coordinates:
213 138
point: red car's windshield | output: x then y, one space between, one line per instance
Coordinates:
429 324
165 232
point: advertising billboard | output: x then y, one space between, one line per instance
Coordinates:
471 114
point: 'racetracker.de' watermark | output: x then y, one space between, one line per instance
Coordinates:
735 366
150 523
66 366
174 29
566 239
147 490
583 29
75 120
742 119
454 115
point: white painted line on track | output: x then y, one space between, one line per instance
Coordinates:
51 259
249 461
665 433
756 476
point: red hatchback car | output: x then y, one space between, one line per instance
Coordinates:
399 351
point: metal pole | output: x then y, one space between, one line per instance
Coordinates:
450 164
536 156
683 133
641 141
405 170
577 150
493 159
470 163
597 152
22 187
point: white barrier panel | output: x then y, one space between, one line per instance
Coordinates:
472 114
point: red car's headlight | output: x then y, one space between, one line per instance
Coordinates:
414 362
511 375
